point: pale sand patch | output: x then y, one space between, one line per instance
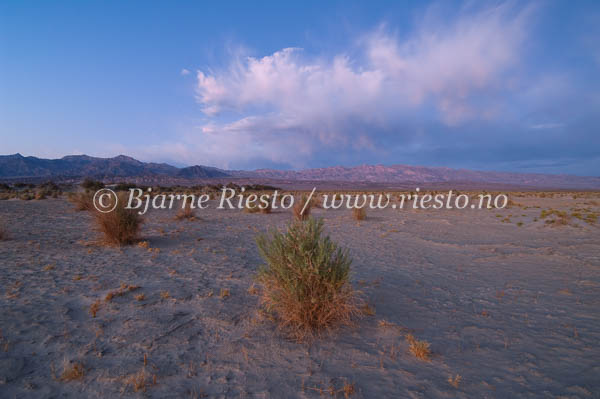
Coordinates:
511 309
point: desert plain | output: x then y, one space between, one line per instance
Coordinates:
508 300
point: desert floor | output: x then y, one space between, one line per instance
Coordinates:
513 309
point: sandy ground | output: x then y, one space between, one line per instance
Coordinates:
514 310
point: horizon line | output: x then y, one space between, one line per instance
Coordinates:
304 169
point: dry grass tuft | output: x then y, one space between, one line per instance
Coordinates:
186 213
348 389
125 288
121 226
251 209
297 209
266 209
418 348
137 381
359 213
72 372
368 310
317 202
41 195
252 290
455 381
165 294
3 234
306 280
260 207
82 201
385 324
224 293
555 217
94 308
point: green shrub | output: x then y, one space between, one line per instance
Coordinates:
306 280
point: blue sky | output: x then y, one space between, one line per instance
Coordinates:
496 85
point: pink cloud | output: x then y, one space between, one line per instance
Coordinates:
290 104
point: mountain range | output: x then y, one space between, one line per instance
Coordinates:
121 167
18 166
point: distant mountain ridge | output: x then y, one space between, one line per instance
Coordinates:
423 174
17 166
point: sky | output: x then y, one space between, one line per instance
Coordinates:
486 85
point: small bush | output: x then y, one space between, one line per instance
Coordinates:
359 213
418 348
186 212
258 207
306 280
72 372
317 202
121 226
251 209
124 186
137 381
455 381
94 308
265 209
82 201
559 217
92 185
49 186
27 196
297 209
42 194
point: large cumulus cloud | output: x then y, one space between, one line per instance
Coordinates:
452 87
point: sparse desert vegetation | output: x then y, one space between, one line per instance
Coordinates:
82 201
359 213
72 371
121 226
455 380
300 200
301 208
265 209
94 308
91 184
3 233
306 279
137 382
186 212
472 293
420 349
251 209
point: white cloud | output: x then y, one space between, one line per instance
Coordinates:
185 72
547 126
289 105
